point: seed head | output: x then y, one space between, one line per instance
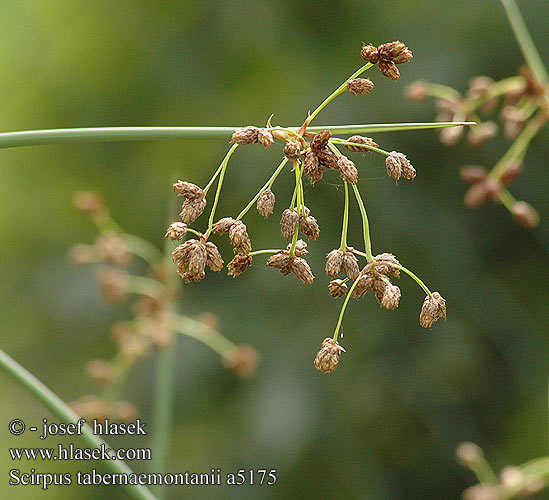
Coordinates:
479 134
111 249
114 284
349 264
469 454
191 258
391 297
512 172
334 262
327 158
395 51
101 371
358 139
328 357
365 284
242 360
282 261
188 190
389 69
300 248
359 86
264 137
292 150
266 202
384 264
288 223
198 258
433 308
369 53
311 167
473 173
222 226
239 264
525 214
302 270
309 227
246 135
418 90
478 86
192 209
90 203
213 257
337 288
238 236
399 166
347 170
513 120
476 195
320 140
176 231
449 135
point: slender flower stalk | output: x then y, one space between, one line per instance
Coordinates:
365 225
341 142
298 186
343 307
343 244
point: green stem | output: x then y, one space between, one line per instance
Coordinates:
343 244
495 90
507 199
197 330
223 168
386 127
53 403
259 252
196 233
342 88
525 41
443 92
142 248
141 285
267 185
299 205
342 142
343 307
415 278
365 225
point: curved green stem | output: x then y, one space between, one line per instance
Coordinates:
259 252
365 225
141 285
298 171
267 185
223 168
342 142
343 244
196 233
53 403
415 278
343 307
197 330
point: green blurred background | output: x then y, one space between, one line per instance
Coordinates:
386 423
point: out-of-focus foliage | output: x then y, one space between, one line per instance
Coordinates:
386 423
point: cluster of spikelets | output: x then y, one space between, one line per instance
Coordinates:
522 107
153 323
525 481
311 154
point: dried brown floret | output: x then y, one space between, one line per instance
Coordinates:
476 195
266 202
347 170
192 209
312 167
327 158
300 248
359 86
280 260
479 134
433 308
337 288
239 264
288 223
320 140
114 284
511 172
111 249
391 297
384 264
90 203
349 264
292 150
525 214
328 357
242 360
473 173
418 90
176 231
82 254
191 258
334 262
513 120
395 51
188 190
389 69
264 137
238 236
358 139
364 284
214 259
399 166
370 53
222 226
478 86
309 227
246 135
302 270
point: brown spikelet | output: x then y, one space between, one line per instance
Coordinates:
309 227
266 202
238 236
337 288
391 297
239 264
384 264
433 308
480 134
393 50
525 214
328 357
114 284
473 173
511 172
300 248
364 284
418 90
389 69
292 150
311 167
222 226
359 86
334 262
264 137
280 260
176 231
192 209
370 53
111 248
320 140
188 190
214 259
302 270
246 135
288 223
347 170
358 139
90 203
476 195
243 360
349 264
399 166
327 158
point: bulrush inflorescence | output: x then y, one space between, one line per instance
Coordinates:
155 320
310 152
521 106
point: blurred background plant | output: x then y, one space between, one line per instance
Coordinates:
408 396
522 105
